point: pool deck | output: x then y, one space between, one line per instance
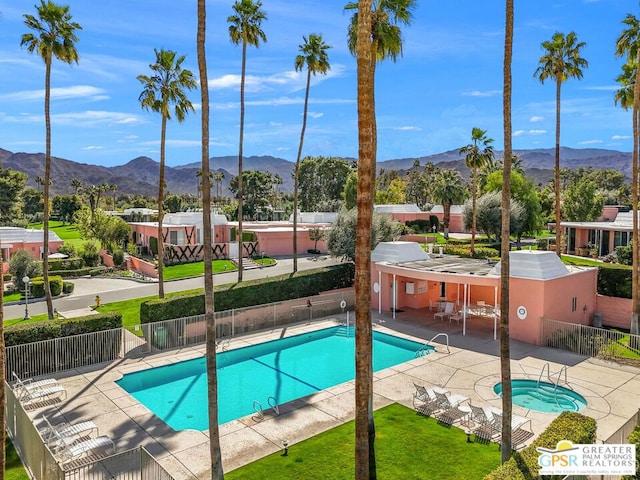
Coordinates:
471 368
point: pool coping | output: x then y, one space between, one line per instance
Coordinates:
471 368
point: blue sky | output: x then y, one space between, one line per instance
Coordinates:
448 81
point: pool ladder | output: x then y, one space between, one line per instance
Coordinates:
424 349
257 407
547 366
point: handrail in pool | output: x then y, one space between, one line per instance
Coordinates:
421 351
274 405
257 406
555 384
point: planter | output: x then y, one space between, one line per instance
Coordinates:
583 252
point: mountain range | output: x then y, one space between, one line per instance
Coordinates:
140 175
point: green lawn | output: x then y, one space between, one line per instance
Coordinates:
12 297
580 261
408 446
186 270
13 469
68 232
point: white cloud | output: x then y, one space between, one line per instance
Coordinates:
275 102
93 147
478 93
315 114
621 137
78 91
95 118
536 118
521 133
591 142
603 88
407 128
275 124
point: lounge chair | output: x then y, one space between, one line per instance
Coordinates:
449 407
26 395
457 316
518 434
424 399
67 451
448 310
66 430
29 384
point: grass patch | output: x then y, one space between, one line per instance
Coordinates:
68 233
266 261
408 446
186 270
12 297
13 466
579 261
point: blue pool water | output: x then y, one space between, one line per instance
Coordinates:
544 397
284 369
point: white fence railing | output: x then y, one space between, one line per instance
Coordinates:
589 341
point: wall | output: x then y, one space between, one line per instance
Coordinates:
616 312
280 242
145 268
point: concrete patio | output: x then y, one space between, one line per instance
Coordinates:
471 368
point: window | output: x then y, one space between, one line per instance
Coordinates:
620 239
574 304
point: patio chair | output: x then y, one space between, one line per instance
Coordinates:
457 316
424 399
27 395
66 430
68 451
29 384
449 407
518 434
448 310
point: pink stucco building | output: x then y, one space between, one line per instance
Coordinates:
13 239
541 286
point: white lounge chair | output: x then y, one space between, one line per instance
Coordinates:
26 395
448 310
518 434
67 451
424 399
66 430
30 384
448 406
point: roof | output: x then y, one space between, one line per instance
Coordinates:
623 222
315 217
534 264
406 208
398 252
454 209
23 235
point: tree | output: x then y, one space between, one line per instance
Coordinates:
53 35
32 201
505 273
12 183
316 234
350 190
162 90
173 203
394 194
448 190
3 397
66 206
478 154
560 62
212 372
244 29
321 182
628 44
341 236
313 54
257 186
113 188
22 263
489 214
581 202
76 184
417 183
218 177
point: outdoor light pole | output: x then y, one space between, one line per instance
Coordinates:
26 280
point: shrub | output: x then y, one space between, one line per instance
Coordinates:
246 294
67 287
624 254
74 273
67 249
7 277
66 264
614 280
419 225
90 254
634 437
153 245
434 221
479 252
22 263
571 426
55 285
118 257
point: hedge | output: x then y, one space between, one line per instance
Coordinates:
37 286
62 327
614 280
479 252
634 438
6 277
523 465
67 287
250 293
66 264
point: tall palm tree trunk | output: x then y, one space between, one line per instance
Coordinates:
505 354
47 176
635 274
163 137
240 188
212 373
557 172
295 174
474 197
3 400
365 432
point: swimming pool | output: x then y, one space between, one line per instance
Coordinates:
281 370
544 397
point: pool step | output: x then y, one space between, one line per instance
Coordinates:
548 395
346 332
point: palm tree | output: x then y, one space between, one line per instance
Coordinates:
244 29
448 190
313 54
3 399
166 87
218 177
560 62
212 373
478 154
53 35
505 354
113 188
365 428
629 44
77 185
39 181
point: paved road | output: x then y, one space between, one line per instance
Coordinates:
113 289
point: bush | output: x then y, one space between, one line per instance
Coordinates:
7 277
67 249
624 254
614 280
55 285
67 287
74 273
544 243
523 465
66 264
22 263
118 257
434 221
634 437
153 245
247 294
479 252
90 254
419 225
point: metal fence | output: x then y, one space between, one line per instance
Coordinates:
41 464
589 341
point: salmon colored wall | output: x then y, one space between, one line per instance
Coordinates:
137 265
559 294
107 259
608 214
408 217
616 312
528 294
417 238
34 247
456 222
281 243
